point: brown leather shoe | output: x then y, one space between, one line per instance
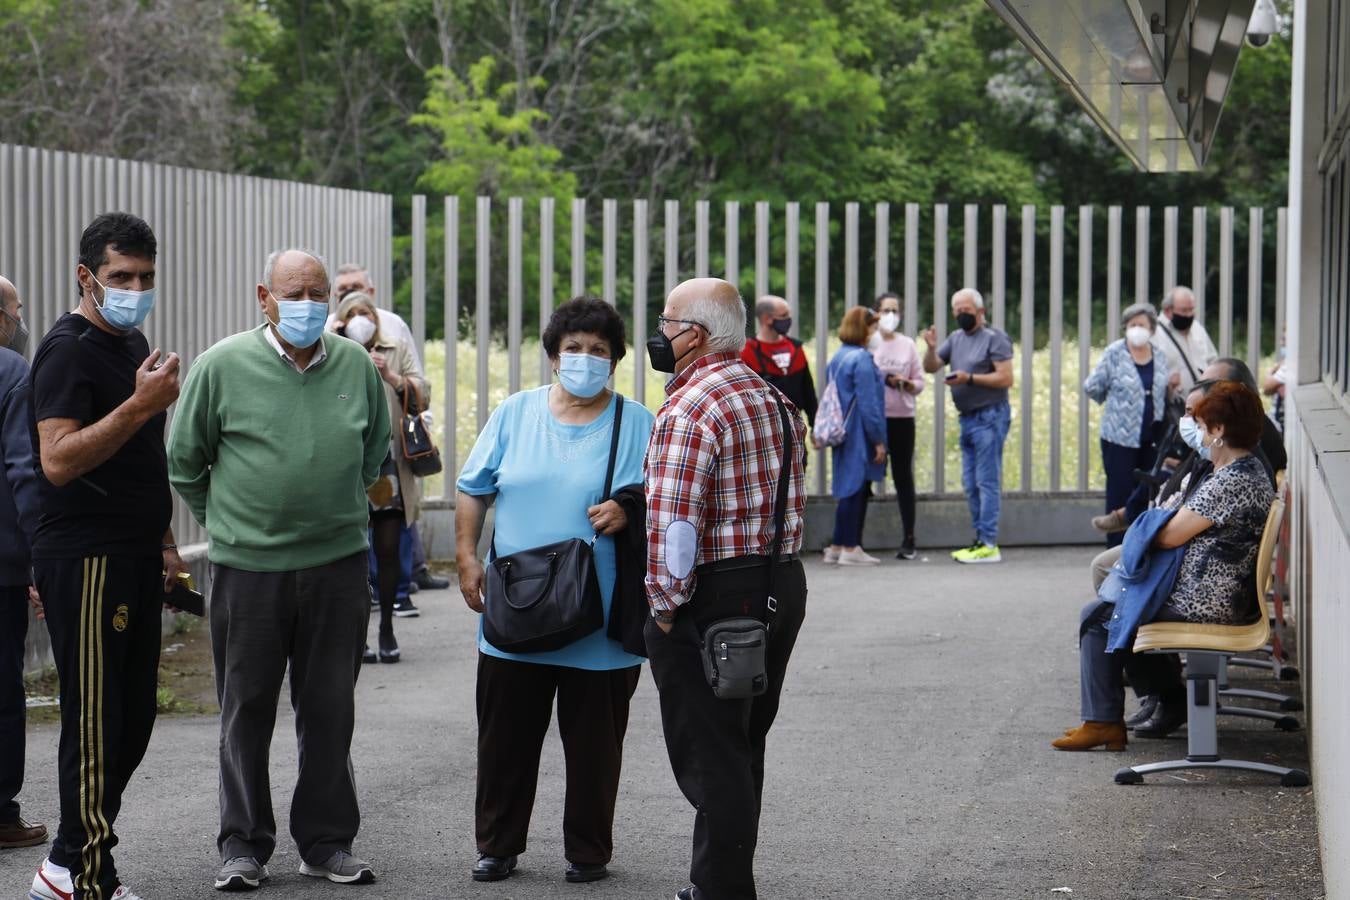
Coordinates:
22 834
1111 522
1110 735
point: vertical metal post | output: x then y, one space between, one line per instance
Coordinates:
999 297
546 221
641 275
1255 235
1170 215
578 246
822 319
850 255
1226 281
672 245
1199 234
1056 337
941 299
761 248
450 434
1113 217
1084 337
610 251
792 264
1141 273
419 273
482 288
515 290
1281 261
881 277
912 323
701 209
733 243
1028 338
970 273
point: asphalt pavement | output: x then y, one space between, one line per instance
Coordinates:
911 759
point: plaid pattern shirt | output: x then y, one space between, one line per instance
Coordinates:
712 475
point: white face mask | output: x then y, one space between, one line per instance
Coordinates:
890 322
360 329
1137 335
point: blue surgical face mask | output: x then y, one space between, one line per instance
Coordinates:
300 322
1193 435
583 375
122 309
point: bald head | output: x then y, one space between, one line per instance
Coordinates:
710 318
292 275
9 297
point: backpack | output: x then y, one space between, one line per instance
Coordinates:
831 420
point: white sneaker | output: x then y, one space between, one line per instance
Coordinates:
52 882
831 555
124 893
857 557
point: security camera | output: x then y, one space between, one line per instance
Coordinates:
1263 23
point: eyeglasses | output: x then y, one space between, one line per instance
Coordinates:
662 321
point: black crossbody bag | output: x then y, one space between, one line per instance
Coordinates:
544 598
735 651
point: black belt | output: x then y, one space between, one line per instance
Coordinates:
736 563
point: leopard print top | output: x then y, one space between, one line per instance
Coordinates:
1217 580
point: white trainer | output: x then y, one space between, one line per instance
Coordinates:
831 555
857 557
52 882
124 893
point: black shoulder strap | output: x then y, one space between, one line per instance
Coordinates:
1167 330
613 446
780 504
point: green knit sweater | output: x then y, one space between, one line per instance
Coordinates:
275 462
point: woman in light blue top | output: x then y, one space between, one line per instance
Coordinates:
1132 381
541 461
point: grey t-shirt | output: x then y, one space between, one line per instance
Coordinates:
976 353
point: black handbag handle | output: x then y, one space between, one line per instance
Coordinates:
543 591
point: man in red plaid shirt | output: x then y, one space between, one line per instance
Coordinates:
712 481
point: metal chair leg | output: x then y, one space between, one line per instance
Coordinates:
1284 701
1281 721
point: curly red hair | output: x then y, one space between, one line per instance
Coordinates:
1238 409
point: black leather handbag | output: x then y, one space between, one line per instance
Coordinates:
419 450
544 598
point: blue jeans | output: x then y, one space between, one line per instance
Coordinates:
982 435
405 563
848 516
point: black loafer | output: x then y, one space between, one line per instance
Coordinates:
493 868
429 582
578 873
1166 719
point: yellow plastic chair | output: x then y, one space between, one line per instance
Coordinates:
1207 648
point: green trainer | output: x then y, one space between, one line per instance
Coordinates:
981 553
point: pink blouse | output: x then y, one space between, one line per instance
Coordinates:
898 356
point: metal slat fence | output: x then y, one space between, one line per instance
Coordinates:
214 232
1055 347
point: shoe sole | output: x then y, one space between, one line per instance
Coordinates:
240 883
981 562
365 876
493 876
583 878
390 659
406 613
26 842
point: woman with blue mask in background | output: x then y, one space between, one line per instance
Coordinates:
541 462
395 499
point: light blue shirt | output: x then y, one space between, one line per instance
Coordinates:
546 475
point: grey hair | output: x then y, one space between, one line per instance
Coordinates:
277 254
1140 309
350 268
973 294
724 323
767 305
1170 298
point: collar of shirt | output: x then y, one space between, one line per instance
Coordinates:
276 345
703 362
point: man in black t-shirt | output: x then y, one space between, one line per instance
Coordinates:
103 555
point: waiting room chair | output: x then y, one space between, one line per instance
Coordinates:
1207 647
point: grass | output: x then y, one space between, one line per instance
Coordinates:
1038 474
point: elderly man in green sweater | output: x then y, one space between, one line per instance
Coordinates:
279 432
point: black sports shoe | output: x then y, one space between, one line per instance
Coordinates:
1147 705
907 550
404 609
369 656
429 582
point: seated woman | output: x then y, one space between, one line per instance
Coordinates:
1220 528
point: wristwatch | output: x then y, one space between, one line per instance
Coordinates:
664 615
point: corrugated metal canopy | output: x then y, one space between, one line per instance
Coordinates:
1153 74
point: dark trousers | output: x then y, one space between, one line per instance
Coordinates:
13 631
103 614
716 747
1120 462
848 517
900 445
515 704
314 619
1101 689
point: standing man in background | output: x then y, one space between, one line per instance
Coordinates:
1183 340
414 575
980 357
18 521
779 359
713 482
103 554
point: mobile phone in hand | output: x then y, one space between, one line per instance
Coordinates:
951 377
186 597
